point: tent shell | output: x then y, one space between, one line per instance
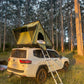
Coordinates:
30 33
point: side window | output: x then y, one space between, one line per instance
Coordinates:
53 54
38 53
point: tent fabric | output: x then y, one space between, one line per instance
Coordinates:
30 33
22 39
43 46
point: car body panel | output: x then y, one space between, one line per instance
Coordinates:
30 70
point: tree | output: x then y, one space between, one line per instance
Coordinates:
1 25
56 35
52 23
19 12
62 30
78 28
72 45
0 35
4 41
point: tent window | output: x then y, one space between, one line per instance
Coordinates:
40 36
27 29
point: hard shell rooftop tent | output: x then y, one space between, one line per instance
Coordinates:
29 34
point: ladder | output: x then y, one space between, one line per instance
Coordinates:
50 68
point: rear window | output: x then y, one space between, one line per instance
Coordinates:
18 53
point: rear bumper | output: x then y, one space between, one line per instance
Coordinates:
15 70
28 72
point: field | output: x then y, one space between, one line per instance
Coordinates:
74 75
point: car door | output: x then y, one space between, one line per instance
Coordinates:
54 61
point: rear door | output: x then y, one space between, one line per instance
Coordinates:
15 58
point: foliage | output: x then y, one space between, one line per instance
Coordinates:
20 12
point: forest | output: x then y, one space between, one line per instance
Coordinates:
63 20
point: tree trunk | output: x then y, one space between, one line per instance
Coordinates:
69 36
1 27
83 26
62 35
72 46
78 28
62 30
0 34
50 33
69 30
56 36
52 24
0 39
4 41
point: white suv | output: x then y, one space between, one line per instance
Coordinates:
30 62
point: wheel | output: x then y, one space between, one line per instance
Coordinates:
66 65
41 75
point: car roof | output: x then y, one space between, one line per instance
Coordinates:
25 48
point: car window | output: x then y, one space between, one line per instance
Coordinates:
53 54
38 53
18 53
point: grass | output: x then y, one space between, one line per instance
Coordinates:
74 75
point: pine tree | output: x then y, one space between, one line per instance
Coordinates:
72 45
78 28
62 30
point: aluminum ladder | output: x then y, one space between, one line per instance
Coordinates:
52 74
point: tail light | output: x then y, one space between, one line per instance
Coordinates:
8 59
25 61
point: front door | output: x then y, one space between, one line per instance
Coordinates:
53 60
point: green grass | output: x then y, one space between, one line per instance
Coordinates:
74 75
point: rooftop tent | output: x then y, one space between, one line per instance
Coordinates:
29 34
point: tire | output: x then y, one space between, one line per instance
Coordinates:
66 65
41 75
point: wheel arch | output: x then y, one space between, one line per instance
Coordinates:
66 62
42 66
64 66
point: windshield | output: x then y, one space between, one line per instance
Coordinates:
18 53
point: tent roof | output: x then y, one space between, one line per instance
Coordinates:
28 25
30 33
